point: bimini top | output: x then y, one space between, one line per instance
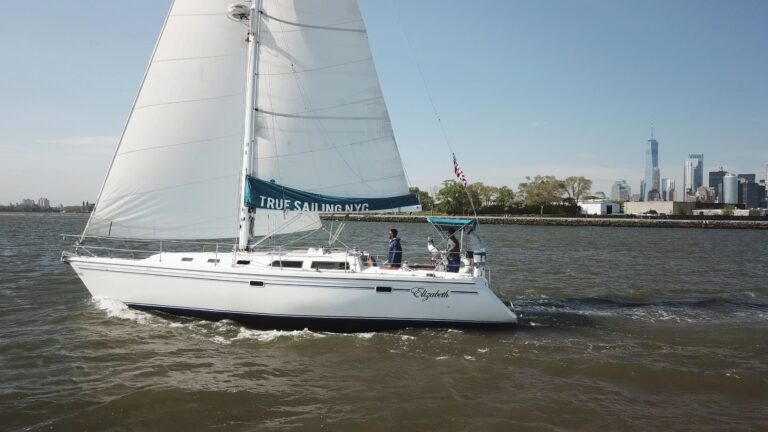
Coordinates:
445 223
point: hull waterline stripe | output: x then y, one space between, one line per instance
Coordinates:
180 310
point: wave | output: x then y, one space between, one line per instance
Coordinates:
589 311
223 332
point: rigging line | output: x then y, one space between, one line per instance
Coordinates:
313 26
318 68
198 57
301 153
308 106
180 144
297 116
317 190
429 95
212 179
189 101
421 75
198 14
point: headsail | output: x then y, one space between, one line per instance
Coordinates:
175 172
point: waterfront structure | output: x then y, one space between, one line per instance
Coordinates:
621 191
599 207
730 189
659 208
43 203
716 183
652 181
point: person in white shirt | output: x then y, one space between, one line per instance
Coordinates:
476 244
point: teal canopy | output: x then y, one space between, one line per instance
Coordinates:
445 223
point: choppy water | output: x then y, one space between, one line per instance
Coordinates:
622 329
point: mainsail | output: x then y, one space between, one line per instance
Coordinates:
322 124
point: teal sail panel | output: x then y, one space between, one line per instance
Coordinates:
260 194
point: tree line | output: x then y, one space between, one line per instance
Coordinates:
539 194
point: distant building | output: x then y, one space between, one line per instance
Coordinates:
698 170
667 189
621 191
28 203
752 195
659 208
730 189
651 189
750 178
693 176
635 197
705 194
599 207
43 203
716 183
688 188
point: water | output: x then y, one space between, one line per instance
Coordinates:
621 329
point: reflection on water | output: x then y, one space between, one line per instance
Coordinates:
630 329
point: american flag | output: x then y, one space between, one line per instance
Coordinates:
458 171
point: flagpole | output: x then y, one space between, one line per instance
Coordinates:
460 174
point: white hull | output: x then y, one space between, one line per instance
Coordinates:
262 295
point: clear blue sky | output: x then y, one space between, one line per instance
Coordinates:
559 87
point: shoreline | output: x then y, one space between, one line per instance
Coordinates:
526 220
566 221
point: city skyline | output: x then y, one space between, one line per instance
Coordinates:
526 88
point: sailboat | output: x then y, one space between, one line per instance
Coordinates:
252 119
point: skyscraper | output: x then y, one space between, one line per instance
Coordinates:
652 178
716 183
698 170
688 181
668 189
693 176
621 191
730 193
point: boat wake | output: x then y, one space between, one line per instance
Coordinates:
593 311
223 332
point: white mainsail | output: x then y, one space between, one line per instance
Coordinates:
322 124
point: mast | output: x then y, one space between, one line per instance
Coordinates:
251 106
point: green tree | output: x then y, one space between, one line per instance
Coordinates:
482 195
577 187
427 203
542 190
504 197
452 198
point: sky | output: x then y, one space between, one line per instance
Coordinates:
521 88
